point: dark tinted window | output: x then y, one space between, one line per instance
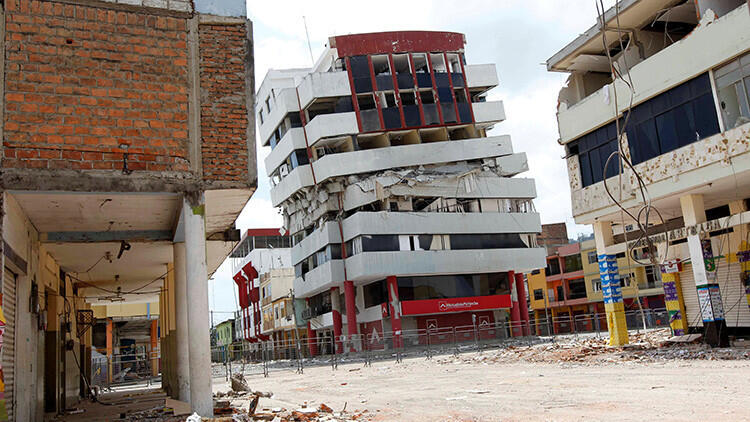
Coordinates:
678 117
375 293
450 286
379 243
486 241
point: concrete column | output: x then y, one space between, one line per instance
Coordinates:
351 314
337 323
312 340
154 338
395 305
201 396
610 277
521 293
181 316
515 312
704 273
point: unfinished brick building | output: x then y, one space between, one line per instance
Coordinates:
127 153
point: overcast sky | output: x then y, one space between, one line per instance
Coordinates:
517 35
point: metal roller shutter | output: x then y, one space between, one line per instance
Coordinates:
690 296
9 340
736 310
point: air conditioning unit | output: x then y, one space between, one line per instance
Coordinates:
283 170
306 314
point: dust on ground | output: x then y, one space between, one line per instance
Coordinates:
571 379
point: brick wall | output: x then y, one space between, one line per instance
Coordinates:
224 107
553 234
81 81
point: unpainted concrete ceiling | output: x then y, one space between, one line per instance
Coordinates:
81 212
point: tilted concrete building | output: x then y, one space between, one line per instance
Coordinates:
686 129
127 153
402 209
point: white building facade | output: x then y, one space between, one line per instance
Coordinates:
681 97
400 205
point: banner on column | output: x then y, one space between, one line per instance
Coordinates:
610 278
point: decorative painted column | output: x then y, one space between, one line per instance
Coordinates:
181 321
673 298
201 394
523 306
351 315
337 323
704 273
515 312
395 305
610 277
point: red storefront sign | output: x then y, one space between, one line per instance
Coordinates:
460 304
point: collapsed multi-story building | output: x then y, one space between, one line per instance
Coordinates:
403 211
680 95
127 153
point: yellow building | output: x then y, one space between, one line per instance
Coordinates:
568 291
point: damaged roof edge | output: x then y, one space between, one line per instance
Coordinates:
228 8
587 36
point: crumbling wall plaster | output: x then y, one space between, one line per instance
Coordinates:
723 149
174 5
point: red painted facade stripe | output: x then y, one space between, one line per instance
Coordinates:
397 42
355 103
265 232
374 92
460 304
434 89
416 88
450 83
395 89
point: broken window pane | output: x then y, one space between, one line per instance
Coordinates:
438 63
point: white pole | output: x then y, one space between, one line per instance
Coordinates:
181 311
201 396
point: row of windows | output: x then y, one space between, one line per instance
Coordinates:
425 67
261 242
671 120
571 263
438 287
426 242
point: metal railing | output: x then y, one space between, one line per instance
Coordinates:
262 358
125 369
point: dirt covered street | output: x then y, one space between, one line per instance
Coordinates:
581 379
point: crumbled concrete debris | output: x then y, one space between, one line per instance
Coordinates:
239 384
648 347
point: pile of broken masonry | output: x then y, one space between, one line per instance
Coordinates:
232 405
650 346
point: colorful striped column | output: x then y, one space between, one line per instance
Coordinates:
673 298
613 303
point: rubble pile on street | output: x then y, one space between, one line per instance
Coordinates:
241 404
649 346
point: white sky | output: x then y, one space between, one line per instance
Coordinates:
517 35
